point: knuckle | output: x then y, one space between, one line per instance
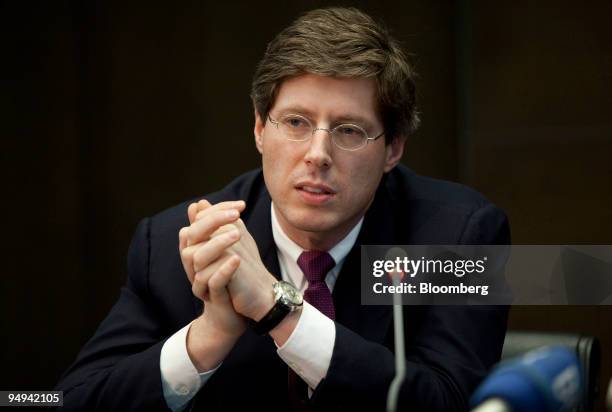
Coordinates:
199 262
227 228
186 253
191 210
225 239
203 226
193 233
215 242
214 283
188 237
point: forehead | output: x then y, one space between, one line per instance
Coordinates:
333 97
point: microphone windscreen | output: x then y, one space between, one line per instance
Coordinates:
546 379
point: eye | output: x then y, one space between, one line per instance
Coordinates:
348 130
295 122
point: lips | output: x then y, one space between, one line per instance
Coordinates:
316 188
315 194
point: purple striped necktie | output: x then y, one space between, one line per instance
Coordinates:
315 264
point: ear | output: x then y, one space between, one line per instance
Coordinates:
394 152
258 131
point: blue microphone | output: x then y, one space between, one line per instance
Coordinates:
546 379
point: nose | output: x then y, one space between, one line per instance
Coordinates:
319 149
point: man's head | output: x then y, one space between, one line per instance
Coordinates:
341 42
331 67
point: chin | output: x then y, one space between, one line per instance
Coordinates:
313 221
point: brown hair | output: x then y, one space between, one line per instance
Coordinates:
341 42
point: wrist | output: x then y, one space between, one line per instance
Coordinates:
207 345
263 301
286 299
266 302
281 332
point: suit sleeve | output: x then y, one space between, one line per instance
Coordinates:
118 369
449 349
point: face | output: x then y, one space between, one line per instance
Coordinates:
319 190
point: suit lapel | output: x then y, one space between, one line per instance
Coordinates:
371 322
259 224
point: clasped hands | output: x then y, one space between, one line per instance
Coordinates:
224 267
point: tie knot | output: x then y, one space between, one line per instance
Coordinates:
315 264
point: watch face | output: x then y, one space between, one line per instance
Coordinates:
291 295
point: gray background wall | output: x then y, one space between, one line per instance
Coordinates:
112 111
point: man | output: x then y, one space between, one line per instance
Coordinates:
204 322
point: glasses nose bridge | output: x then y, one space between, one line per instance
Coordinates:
330 133
328 144
314 130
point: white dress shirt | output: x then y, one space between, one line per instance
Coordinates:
308 349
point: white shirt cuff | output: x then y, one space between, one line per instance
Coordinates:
309 349
180 378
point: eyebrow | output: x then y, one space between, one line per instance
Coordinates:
343 118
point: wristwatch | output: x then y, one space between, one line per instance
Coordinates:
286 299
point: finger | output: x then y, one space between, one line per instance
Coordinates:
199 286
240 224
203 204
183 238
239 205
187 260
224 229
191 212
187 256
217 284
201 230
210 251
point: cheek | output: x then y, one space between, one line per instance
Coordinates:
276 162
365 173
362 185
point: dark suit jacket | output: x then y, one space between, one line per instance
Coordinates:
449 349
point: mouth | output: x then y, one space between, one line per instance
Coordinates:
315 194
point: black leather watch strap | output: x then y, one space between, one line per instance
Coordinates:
271 319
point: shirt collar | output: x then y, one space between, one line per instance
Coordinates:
291 249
